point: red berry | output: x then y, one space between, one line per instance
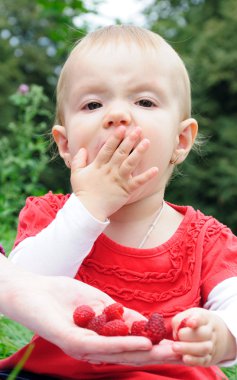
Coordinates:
155 328
114 311
82 315
115 328
138 328
110 323
182 324
96 323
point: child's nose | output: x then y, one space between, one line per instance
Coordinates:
115 118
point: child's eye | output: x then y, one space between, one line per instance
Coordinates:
146 103
92 106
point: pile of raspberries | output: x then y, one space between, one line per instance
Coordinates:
111 323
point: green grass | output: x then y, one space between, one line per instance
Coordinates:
13 336
231 372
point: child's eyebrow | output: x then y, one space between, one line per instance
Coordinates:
155 87
102 88
131 87
89 89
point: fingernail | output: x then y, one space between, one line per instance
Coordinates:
145 142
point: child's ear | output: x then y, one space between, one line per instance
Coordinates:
60 137
187 133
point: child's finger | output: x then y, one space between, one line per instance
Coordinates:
143 178
193 318
126 147
199 334
191 322
110 145
131 162
194 321
204 361
198 320
198 349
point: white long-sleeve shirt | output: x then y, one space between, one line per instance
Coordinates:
59 249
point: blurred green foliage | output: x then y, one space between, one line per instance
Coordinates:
35 39
23 152
204 34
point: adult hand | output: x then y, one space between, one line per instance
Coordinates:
161 353
45 305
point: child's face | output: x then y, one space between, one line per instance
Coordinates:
115 85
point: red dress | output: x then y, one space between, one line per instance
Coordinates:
170 278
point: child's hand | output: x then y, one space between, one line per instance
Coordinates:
107 183
203 338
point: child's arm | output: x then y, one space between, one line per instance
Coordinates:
60 248
101 188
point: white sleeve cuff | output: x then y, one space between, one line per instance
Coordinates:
75 208
60 248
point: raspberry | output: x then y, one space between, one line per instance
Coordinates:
182 324
110 323
114 311
115 328
155 328
138 328
82 315
96 323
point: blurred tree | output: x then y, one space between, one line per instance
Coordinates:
204 33
23 152
35 38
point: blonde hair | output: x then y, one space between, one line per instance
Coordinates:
128 34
